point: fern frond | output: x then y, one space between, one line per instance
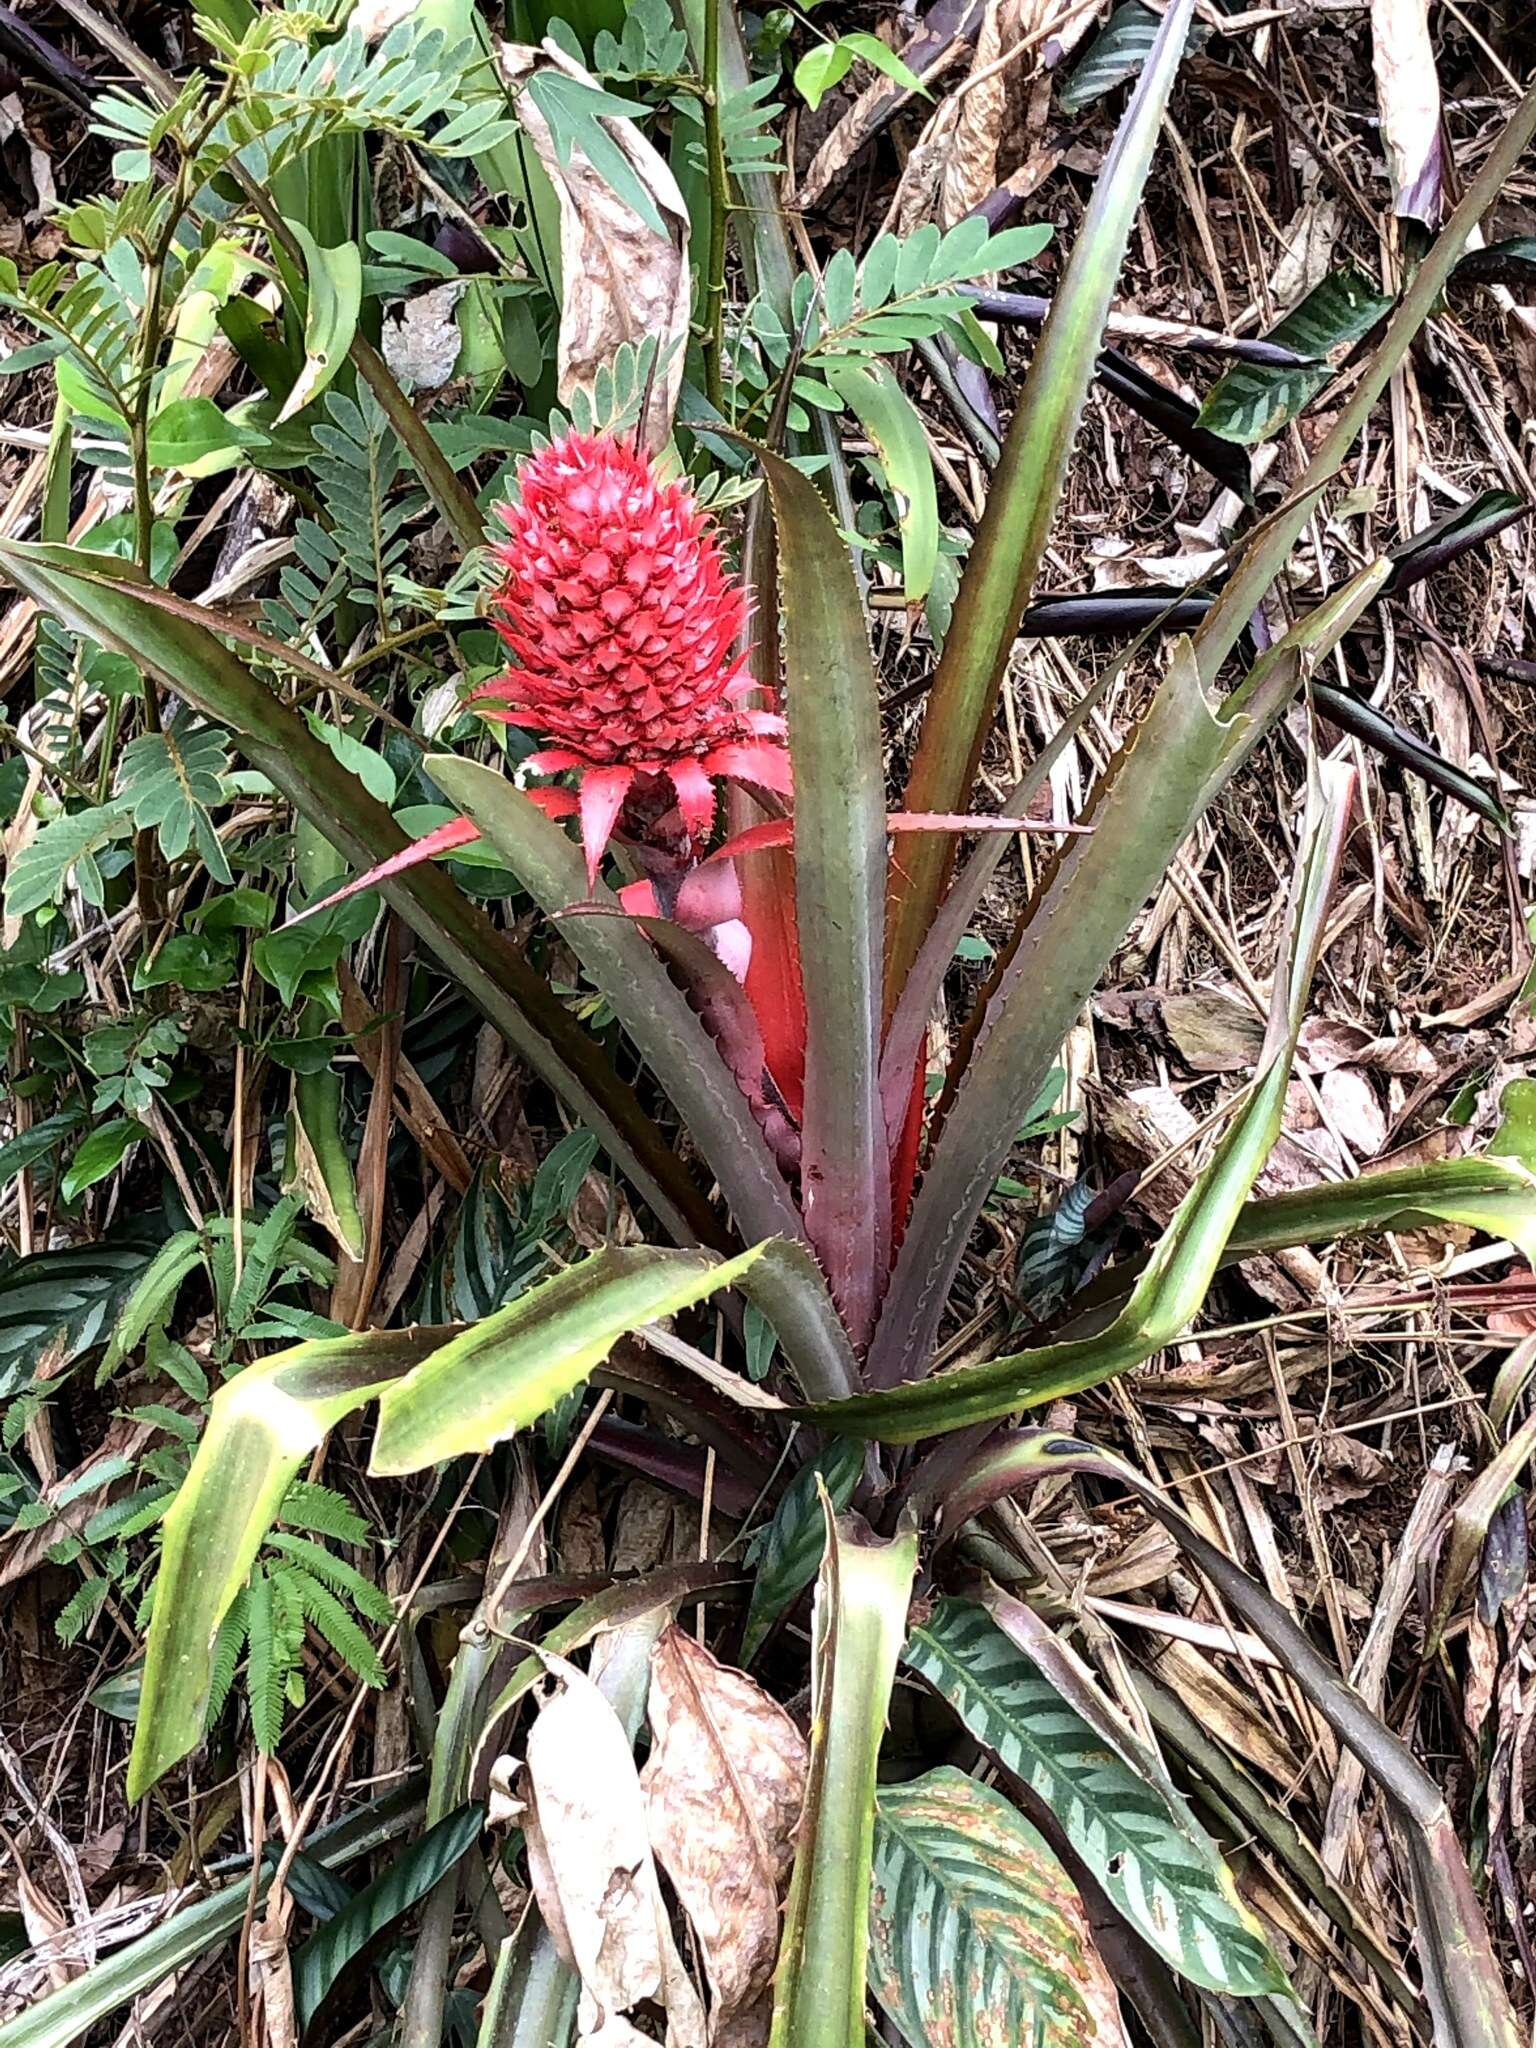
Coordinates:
331 1620
227 1645
323 1512
369 1600
130 1516
77 1611
266 1670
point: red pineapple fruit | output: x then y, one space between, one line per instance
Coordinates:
623 621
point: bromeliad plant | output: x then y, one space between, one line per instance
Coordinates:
778 987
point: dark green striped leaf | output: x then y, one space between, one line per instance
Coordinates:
1254 400
65 1300
977 1938
796 1538
1117 53
1162 1872
328 1951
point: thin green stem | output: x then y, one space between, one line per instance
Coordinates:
719 208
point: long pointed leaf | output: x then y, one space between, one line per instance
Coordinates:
1021 503
323 1958
261 1427
832 701
861 1615
1494 1192
98 596
1177 1277
500 1375
1150 799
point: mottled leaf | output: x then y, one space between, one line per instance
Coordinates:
723 1790
977 1938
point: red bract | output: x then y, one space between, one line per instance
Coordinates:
624 623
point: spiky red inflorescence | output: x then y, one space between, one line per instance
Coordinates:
624 620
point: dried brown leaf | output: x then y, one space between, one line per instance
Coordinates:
723 1788
1354 1110
872 111
970 165
643 1527
594 1876
422 345
622 280
274 2018
1408 95
1213 1032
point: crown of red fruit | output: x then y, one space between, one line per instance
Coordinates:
624 623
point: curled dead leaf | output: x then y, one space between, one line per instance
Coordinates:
622 280
589 1856
1354 1110
421 346
723 1789
970 166
1408 95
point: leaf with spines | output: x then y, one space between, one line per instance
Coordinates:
977 1937
1157 1866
